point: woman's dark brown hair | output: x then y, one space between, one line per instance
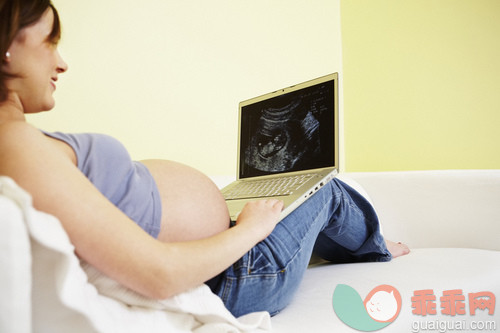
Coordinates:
14 16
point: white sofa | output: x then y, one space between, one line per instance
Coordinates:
450 220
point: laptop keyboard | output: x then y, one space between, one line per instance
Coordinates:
267 187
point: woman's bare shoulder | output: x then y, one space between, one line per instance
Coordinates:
14 134
21 142
28 156
17 140
16 125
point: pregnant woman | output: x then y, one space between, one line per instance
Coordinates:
159 227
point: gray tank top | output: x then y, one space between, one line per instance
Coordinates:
127 184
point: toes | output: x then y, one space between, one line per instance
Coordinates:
397 249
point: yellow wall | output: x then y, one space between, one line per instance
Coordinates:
421 84
165 76
421 78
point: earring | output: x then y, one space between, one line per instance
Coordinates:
7 56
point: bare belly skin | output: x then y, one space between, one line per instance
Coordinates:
192 205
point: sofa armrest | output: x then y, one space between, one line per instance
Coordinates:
449 208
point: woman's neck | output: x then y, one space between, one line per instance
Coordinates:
11 110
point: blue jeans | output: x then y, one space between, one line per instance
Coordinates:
337 223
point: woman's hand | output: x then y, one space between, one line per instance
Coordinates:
261 215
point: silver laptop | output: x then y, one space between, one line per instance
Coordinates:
287 145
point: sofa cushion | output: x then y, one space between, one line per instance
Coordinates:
437 208
438 269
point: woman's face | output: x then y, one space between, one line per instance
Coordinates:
36 61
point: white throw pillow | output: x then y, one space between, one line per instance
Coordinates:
15 266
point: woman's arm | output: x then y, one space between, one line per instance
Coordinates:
105 237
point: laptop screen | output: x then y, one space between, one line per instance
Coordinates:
289 130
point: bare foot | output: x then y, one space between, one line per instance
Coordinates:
397 249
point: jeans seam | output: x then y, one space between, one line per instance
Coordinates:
300 248
345 200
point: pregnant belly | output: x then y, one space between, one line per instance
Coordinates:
192 205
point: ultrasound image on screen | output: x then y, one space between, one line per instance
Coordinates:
290 132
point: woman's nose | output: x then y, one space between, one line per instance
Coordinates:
62 66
